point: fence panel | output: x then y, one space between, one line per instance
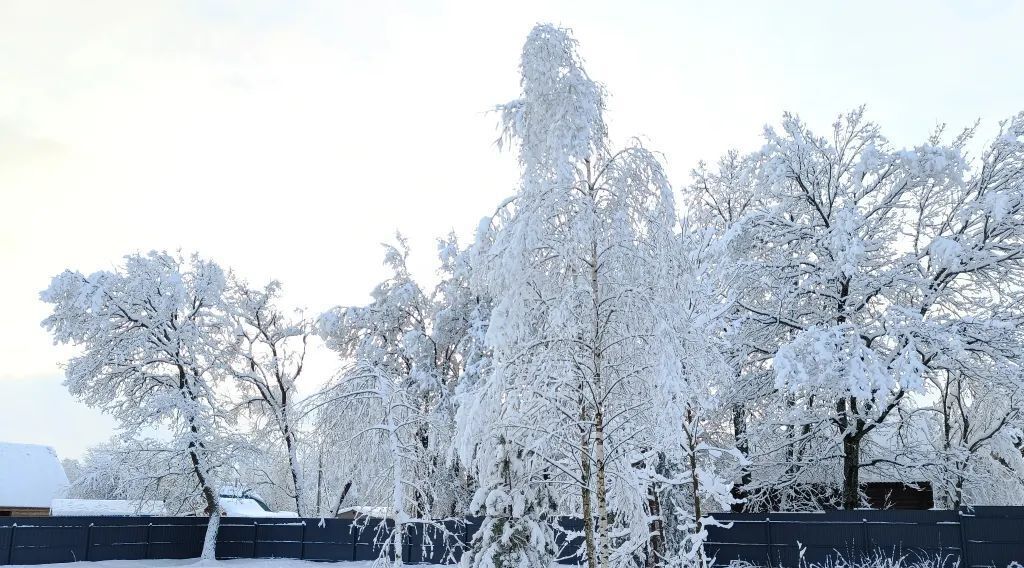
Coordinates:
42 544
820 540
237 538
175 537
6 532
825 536
994 535
470 529
279 539
115 540
435 544
330 539
372 539
744 537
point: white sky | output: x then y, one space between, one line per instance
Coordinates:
289 139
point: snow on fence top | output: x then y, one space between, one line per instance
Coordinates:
105 508
30 476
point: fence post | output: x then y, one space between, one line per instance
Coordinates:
404 552
867 542
149 537
965 559
255 536
768 525
88 541
197 536
10 548
354 531
414 541
302 540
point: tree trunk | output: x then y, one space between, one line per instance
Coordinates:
341 498
851 471
656 528
588 516
597 388
212 505
739 428
852 429
319 482
202 472
602 488
210 540
958 494
698 513
293 464
398 474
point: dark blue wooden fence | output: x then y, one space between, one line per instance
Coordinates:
983 536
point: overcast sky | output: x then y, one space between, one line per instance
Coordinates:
289 139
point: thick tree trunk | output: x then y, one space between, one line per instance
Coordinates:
739 428
853 429
851 471
212 505
958 494
210 540
202 473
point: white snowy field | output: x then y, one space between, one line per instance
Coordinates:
239 563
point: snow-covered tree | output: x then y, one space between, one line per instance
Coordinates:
720 199
337 464
517 507
270 360
695 451
969 246
865 268
404 354
153 342
99 475
581 264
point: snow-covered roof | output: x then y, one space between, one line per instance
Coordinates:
243 507
105 508
30 475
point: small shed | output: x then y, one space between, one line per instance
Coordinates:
31 477
897 495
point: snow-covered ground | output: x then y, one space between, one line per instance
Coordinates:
241 563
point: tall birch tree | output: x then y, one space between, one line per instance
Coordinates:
579 263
